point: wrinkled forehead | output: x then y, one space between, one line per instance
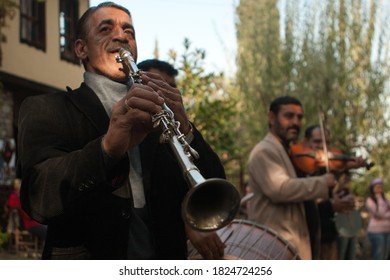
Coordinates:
109 15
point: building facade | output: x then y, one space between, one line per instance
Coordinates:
36 58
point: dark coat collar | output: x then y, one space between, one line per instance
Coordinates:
87 102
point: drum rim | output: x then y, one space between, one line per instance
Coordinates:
292 251
340 218
267 229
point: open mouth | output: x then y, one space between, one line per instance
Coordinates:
116 50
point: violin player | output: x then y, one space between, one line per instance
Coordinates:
309 156
342 201
279 194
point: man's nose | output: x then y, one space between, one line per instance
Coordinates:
297 121
120 35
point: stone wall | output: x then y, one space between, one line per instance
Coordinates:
6 134
6 114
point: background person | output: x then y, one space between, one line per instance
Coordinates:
378 229
342 201
163 68
348 224
18 218
208 244
279 195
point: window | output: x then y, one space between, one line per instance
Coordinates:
69 14
32 23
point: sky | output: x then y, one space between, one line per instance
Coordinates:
208 24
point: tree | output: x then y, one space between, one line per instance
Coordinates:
331 55
7 12
209 101
259 76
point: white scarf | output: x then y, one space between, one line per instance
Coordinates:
110 92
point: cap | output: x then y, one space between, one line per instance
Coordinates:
376 181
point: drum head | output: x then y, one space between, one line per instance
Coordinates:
246 240
348 224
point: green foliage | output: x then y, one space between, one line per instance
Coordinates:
7 12
4 237
259 75
208 100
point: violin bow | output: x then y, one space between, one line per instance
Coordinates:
325 147
321 116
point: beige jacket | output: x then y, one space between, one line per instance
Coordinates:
278 194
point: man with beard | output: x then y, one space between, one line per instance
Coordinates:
279 195
93 168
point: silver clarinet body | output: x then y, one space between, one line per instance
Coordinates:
209 204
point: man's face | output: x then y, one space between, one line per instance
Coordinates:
108 29
286 125
315 141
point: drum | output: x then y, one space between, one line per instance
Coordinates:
348 224
245 240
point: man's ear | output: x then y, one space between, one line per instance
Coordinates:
271 118
81 49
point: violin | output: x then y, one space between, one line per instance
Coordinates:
308 161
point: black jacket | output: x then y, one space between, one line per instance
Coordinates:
67 185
